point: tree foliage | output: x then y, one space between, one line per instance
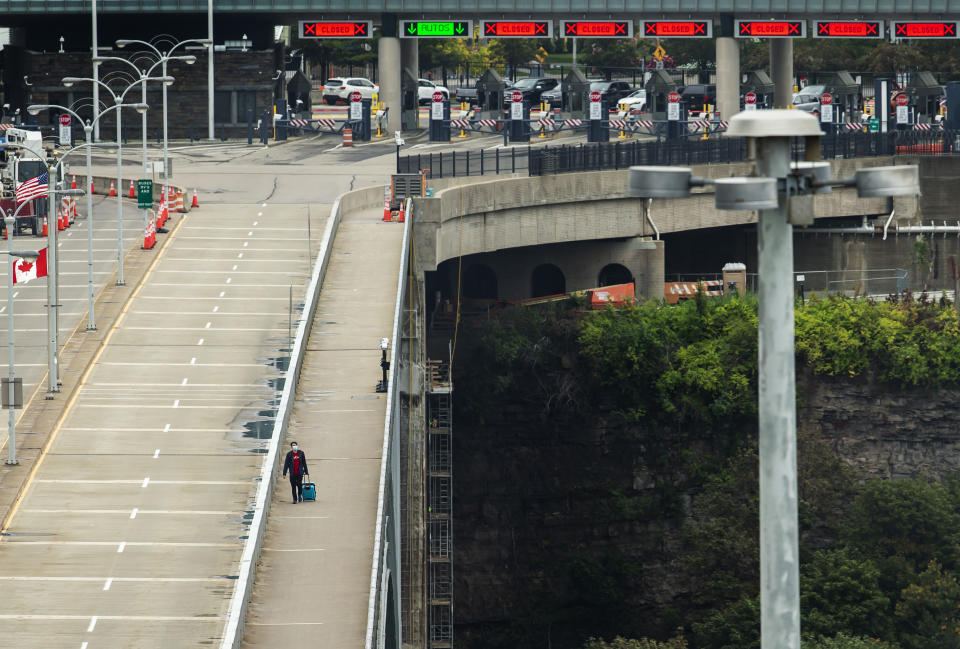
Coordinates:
930 610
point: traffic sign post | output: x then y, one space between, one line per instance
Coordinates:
826 108
144 194
66 137
673 106
439 118
903 111
519 114
750 101
597 130
356 108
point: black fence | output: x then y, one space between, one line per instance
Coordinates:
538 161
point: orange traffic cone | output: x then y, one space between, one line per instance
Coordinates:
91 187
150 234
113 190
59 221
196 201
44 233
132 193
400 215
73 182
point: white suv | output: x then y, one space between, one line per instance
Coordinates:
339 89
425 90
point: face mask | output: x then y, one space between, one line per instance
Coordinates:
294 447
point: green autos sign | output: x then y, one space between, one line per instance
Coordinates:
874 125
144 194
436 29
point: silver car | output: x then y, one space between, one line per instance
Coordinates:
808 99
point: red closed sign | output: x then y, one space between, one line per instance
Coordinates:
594 96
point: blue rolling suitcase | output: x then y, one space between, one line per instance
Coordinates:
309 489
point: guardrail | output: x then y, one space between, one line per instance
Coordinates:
237 612
386 544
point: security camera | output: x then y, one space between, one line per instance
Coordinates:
384 343
397 138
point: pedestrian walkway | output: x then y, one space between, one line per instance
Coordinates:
313 582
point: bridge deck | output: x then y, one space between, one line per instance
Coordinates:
312 585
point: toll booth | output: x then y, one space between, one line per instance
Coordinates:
490 94
846 97
409 103
280 115
925 93
440 121
574 94
658 87
519 121
598 129
760 83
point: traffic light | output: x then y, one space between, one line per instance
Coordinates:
541 54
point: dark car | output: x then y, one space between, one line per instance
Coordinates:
553 97
698 95
531 88
611 91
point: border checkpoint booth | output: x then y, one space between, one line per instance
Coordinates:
490 87
846 96
409 104
760 83
575 91
925 93
658 87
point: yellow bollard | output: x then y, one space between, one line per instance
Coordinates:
622 135
463 133
543 133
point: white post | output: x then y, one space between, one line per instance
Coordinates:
94 52
143 98
166 163
53 373
120 281
91 324
779 551
12 415
210 71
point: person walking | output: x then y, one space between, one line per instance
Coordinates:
296 464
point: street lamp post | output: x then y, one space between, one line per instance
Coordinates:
782 191
164 57
10 221
88 128
118 104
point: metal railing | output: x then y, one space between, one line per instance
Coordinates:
851 283
566 158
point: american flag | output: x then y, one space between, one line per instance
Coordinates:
33 188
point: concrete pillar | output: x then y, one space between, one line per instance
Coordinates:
388 71
410 56
781 71
728 77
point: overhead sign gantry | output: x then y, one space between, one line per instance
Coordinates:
517 29
336 29
678 29
924 30
597 28
436 28
848 29
771 29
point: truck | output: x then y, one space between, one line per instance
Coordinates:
19 168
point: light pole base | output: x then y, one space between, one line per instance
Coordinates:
381 386
91 327
12 462
121 283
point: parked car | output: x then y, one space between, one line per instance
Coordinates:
635 102
425 90
808 99
698 95
531 88
554 97
338 89
611 91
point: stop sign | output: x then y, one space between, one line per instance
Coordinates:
516 96
594 96
826 99
901 100
64 120
673 97
438 97
355 96
749 98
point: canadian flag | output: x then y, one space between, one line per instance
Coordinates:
26 269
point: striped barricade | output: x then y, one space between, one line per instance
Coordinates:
314 125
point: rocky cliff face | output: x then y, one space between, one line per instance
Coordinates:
564 529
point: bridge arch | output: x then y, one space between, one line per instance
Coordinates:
614 274
547 279
480 282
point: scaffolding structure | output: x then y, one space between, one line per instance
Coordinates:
440 503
